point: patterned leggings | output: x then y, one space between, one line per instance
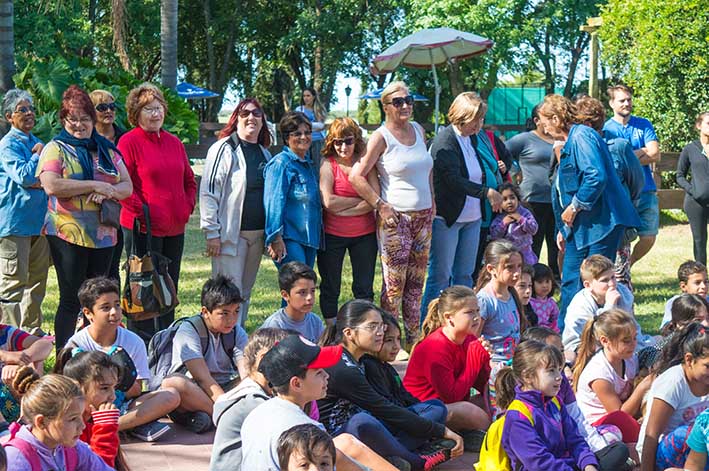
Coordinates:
672 450
404 251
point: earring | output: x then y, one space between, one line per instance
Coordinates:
451 323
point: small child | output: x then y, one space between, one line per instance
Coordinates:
516 224
53 408
297 283
692 280
698 443
542 300
306 447
524 291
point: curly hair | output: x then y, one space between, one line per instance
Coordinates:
339 129
590 111
139 97
74 98
562 108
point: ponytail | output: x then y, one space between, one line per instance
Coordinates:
692 339
451 298
587 348
505 383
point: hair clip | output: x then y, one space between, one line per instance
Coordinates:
508 362
76 350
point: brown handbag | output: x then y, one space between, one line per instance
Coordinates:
148 292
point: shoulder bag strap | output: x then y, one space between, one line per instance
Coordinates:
148 231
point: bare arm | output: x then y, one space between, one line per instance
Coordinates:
611 402
332 202
200 373
649 154
124 188
37 348
55 185
360 170
657 421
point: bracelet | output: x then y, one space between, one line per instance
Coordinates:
379 200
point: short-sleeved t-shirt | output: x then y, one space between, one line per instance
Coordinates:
534 156
698 439
187 346
639 132
672 387
599 368
501 327
11 338
75 219
311 327
127 340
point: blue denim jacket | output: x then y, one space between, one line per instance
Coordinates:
292 200
586 176
23 204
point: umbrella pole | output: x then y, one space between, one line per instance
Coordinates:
438 91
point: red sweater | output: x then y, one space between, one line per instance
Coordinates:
162 178
441 369
101 434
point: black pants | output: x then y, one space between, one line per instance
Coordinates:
613 457
698 216
482 245
170 247
544 214
115 270
74 264
363 257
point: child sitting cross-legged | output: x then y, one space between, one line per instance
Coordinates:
693 279
306 447
100 304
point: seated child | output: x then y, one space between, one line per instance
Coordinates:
297 283
523 286
542 301
604 374
52 408
203 369
698 443
692 280
100 304
306 447
516 223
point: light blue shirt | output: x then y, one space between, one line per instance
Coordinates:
311 327
639 132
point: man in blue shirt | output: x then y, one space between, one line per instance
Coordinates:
642 137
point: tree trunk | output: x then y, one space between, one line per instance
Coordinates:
7 45
212 110
457 86
118 20
168 43
581 44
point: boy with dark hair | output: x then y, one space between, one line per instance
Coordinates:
101 306
304 447
692 280
297 283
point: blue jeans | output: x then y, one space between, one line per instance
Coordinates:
573 257
451 259
434 410
297 252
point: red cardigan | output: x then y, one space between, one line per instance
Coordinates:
101 434
441 369
162 178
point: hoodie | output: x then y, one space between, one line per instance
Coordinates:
553 442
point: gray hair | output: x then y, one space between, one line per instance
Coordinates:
12 98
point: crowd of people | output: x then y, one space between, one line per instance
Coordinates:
458 224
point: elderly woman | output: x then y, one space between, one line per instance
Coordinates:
406 206
465 181
106 126
293 211
232 213
348 219
163 179
24 252
591 207
79 170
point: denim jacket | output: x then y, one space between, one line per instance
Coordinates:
292 200
587 178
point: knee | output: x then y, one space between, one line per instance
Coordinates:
170 397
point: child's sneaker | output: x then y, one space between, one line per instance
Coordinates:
434 459
197 422
472 440
399 463
149 432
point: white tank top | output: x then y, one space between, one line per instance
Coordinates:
404 173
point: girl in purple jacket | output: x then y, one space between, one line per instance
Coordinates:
552 441
516 223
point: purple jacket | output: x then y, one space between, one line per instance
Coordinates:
520 233
552 443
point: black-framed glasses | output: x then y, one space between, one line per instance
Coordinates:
301 133
244 113
25 109
103 107
399 101
348 141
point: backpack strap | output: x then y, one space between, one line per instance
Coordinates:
228 342
197 321
25 448
71 458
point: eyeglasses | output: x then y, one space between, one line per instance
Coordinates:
373 327
156 110
301 133
399 101
348 141
76 121
25 109
244 113
102 107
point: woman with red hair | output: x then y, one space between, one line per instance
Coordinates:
79 170
231 208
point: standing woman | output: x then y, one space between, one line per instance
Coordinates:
106 126
533 151
311 107
591 207
406 205
79 169
466 195
231 209
348 220
694 159
163 179
292 202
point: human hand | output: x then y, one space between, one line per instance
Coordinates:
485 343
509 219
495 199
8 373
37 148
458 448
15 358
612 297
560 242
568 216
388 214
501 165
103 406
590 467
277 249
96 198
645 384
214 247
103 188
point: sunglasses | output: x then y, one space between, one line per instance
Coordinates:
244 113
399 101
25 109
347 141
102 107
301 133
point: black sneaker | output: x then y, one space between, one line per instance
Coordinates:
399 463
149 432
433 460
197 422
472 440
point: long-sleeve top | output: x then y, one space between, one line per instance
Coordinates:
386 381
441 369
551 443
349 392
693 160
162 178
101 434
627 167
589 433
23 203
520 232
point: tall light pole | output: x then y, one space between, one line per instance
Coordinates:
591 27
348 90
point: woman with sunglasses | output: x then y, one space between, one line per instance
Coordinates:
232 214
292 202
406 206
348 220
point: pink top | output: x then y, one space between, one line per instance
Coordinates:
346 226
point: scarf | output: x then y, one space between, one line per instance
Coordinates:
84 147
493 179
